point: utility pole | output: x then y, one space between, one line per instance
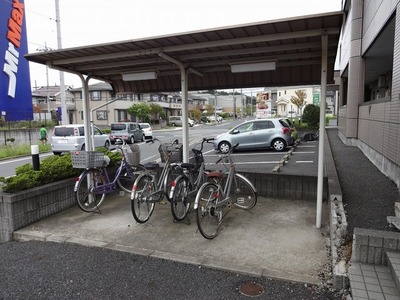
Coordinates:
64 112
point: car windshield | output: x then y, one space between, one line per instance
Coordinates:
117 127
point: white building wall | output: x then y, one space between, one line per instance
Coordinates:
376 14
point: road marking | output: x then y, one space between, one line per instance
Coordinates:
304 152
304 162
250 163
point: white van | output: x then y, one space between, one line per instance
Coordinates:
178 121
72 137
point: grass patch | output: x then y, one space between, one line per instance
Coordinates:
11 151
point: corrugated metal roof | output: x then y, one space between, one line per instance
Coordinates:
295 44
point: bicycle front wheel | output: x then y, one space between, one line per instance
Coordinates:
126 179
142 209
86 195
242 193
179 200
208 215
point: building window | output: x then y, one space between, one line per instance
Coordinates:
101 115
95 96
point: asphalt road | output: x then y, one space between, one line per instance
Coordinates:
264 160
45 270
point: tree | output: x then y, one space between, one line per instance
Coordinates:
140 110
300 100
155 111
196 114
311 115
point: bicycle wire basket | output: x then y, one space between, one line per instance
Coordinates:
197 159
133 156
87 159
174 152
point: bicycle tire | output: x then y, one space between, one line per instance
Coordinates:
180 205
88 200
141 208
208 216
126 179
242 192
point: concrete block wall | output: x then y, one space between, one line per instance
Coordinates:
370 246
21 209
284 186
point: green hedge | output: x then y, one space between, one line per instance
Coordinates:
52 169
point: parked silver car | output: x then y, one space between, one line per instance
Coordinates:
130 132
72 137
256 134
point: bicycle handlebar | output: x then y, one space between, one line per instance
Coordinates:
227 154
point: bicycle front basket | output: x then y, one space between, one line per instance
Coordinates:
175 152
197 159
87 159
133 158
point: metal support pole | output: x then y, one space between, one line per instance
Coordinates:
320 184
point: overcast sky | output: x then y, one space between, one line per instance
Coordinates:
86 22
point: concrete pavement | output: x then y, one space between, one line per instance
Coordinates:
277 238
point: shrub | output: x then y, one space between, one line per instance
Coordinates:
52 169
311 115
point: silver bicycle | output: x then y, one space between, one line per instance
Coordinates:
185 187
216 197
149 188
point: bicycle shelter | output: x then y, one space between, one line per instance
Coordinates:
286 52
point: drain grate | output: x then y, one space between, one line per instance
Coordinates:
251 289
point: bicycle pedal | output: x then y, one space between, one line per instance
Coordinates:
164 202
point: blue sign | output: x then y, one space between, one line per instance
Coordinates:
15 86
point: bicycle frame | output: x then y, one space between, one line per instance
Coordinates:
161 180
229 175
108 186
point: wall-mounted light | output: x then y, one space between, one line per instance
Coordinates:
253 66
139 76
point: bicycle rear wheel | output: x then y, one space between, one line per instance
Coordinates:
179 200
142 209
86 196
126 179
208 215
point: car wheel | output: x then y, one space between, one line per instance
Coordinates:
57 153
132 140
83 147
279 144
173 124
224 147
143 138
107 144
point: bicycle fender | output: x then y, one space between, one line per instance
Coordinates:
77 181
197 200
248 181
171 192
133 194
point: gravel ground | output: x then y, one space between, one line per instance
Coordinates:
368 195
